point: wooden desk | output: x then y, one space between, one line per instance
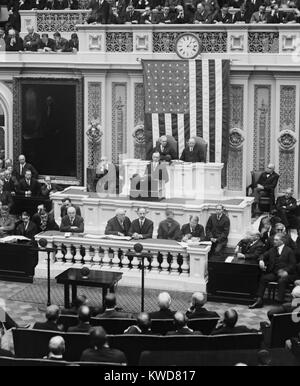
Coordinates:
72 277
235 282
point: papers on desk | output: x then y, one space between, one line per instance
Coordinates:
13 239
229 259
110 237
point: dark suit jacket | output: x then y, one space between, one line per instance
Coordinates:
253 251
232 330
169 230
17 46
105 354
162 314
9 186
46 192
269 183
114 314
63 210
100 12
34 187
184 331
290 203
30 232
65 225
198 231
49 326
218 229
81 327
50 44
168 151
113 226
238 17
269 242
285 261
226 19
201 312
192 156
251 8
130 17
6 199
26 167
50 226
146 231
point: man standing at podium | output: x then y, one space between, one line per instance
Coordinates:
217 230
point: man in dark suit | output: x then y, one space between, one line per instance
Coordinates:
181 327
5 196
72 222
141 228
118 225
251 7
46 223
67 203
266 184
169 229
26 228
132 16
197 311
46 44
29 186
240 16
111 310
142 326
228 325
279 228
31 41
217 230
7 222
167 153
100 351
251 247
9 183
193 229
259 17
84 317
192 152
286 206
100 11
22 167
52 316
223 16
278 264
49 187
164 304
13 41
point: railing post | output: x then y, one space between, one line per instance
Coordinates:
198 257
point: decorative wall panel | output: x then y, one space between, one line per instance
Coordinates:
263 42
94 131
138 132
119 120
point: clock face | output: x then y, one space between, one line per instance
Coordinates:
187 46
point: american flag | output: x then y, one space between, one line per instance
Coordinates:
185 98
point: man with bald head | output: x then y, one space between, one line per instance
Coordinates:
142 326
196 310
111 309
72 222
228 325
119 225
52 316
84 317
164 304
181 327
31 40
286 206
165 150
21 168
192 152
266 185
251 247
56 349
193 229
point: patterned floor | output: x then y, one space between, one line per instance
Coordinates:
22 302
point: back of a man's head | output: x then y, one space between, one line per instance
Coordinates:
52 313
264 358
179 320
230 318
143 321
79 301
110 301
84 314
164 301
97 337
57 345
199 299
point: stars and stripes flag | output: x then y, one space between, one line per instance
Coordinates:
186 98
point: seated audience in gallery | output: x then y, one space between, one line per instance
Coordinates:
165 149
196 310
36 218
132 16
192 229
14 19
72 222
119 225
228 325
49 187
13 41
201 16
56 349
217 230
251 247
192 152
60 4
73 43
31 40
142 326
47 223
146 16
277 264
288 307
240 16
223 16
279 228
291 17
22 167
38 4
142 227
164 304
7 222
180 326
67 203
84 317
29 186
60 43
111 308
26 227
100 351
115 17
260 16
5 196
46 44
169 229
266 184
100 12
10 182
286 206
51 322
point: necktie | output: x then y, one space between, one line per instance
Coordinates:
21 169
141 224
191 149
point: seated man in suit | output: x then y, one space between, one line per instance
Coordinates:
84 317
46 223
111 309
10 182
5 196
196 310
142 326
141 228
67 203
228 325
46 44
164 304
286 206
22 167
181 327
192 152
251 247
166 151
278 264
100 351
57 349
260 16
169 229
72 222
26 228
217 230
29 186
193 229
280 228
7 222
266 184
49 187
118 225
52 316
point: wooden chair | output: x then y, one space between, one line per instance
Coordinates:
266 201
